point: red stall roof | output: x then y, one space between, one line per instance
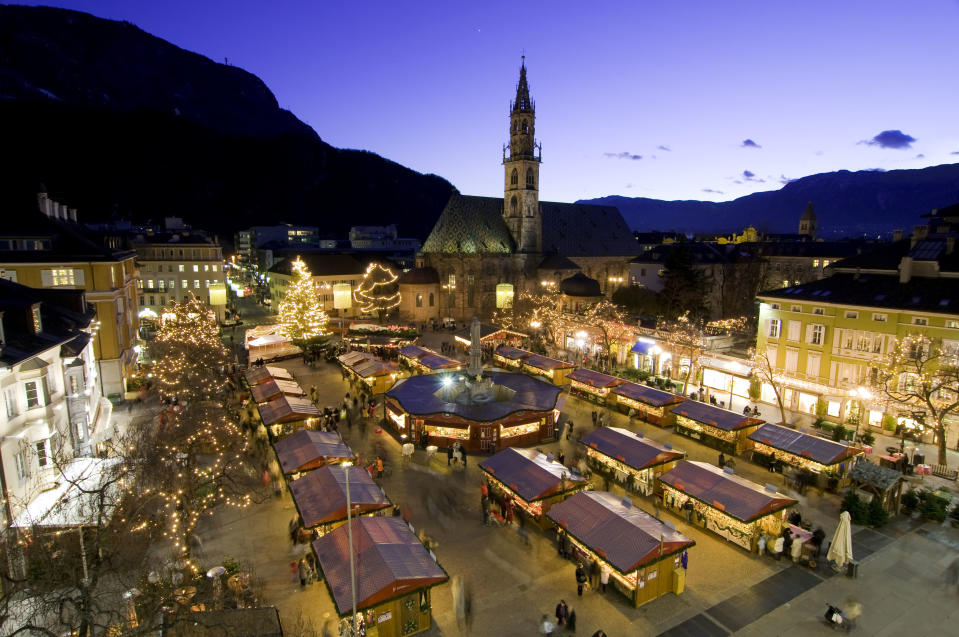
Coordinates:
389 562
272 388
632 449
308 449
825 452
626 537
320 495
257 375
647 395
594 378
530 474
736 496
287 409
714 416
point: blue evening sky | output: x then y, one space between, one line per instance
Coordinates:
642 98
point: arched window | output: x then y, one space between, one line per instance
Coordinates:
516 126
529 178
525 127
514 178
431 299
513 207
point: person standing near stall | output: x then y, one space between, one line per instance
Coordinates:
580 579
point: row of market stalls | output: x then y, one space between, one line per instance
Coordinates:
421 360
283 405
553 369
646 403
377 374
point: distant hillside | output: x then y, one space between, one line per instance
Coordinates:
115 121
846 203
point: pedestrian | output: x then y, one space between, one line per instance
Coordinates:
656 507
604 577
722 460
593 573
562 612
594 417
561 457
294 571
559 542
379 467
546 627
303 570
688 509
580 579
484 503
571 621
449 455
463 454
569 429
684 560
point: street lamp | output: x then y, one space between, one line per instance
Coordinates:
349 533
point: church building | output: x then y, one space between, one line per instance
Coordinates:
484 251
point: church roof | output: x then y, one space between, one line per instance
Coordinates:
522 102
557 262
472 225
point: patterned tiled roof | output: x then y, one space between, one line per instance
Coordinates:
470 225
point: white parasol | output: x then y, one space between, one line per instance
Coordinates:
840 551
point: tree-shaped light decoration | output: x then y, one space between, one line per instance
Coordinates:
301 317
379 290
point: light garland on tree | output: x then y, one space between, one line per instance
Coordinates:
301 317
378 291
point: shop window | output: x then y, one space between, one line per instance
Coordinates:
874 418
832 408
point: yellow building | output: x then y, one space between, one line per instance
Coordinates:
43 246
828 337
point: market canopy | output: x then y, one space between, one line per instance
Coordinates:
714 416
488 332
257 375
797 443
414 351
389 560
373 367
352 358
625 536
272 388
643 345
287 409
511 353
632 449
530 474
543 362
646 395
320 496
736 496
593 378
75 500
436 361
269 339
308 449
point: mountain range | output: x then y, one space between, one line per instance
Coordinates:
121 124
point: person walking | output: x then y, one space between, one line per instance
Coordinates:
449 455
379 467
562 613
463 455
571 621
546 627
303 569
604 577
594 417
593 574
569 429
580 579
294 571
722 460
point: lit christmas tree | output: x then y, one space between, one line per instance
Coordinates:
378 291
301 317
190 357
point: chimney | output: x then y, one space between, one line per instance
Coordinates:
897 234
905 269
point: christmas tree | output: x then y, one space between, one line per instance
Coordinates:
301 317
378 291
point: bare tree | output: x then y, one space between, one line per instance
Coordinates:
767 373
685 338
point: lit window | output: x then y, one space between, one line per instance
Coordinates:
32 390
196 284
818 310
37 322
214 267
206 268
185 284
181 268
196 268
825 263
815 263
774 325
63 276
816 334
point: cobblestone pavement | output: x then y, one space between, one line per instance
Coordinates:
514 583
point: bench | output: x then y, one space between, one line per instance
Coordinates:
944 471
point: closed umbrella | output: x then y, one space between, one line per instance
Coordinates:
840 551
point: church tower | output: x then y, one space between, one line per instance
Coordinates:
807 223
521 163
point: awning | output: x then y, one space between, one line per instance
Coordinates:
643 345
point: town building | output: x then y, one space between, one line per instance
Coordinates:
42 246
247 242
335 276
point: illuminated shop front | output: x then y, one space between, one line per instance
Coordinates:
718 428
644 353
530 480
726 378
320 497
425 361
553 369
307 450
730 506
375 373
629 459
509 357
286 415
805 451
642 554
592 385
649 405
491 335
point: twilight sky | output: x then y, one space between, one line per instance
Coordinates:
694 99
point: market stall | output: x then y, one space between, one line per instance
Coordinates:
826 458
509 357
274 388
718 428
263 373
320 497
530 481
377 374
592 385
426 361
553 369
490 335
629 459
267 342
643 555
648 404
874 481
307 450
726 504
394 575
286 414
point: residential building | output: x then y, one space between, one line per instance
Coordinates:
52 409
247 242
42 246
174 265
335 276
380 238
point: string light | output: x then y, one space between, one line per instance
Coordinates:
301 315
378 291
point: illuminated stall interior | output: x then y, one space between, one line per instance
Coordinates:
394 575
718 428
532 480
648 404
629 459
726 504
274 388
307 450
285 415
510 357
643 554
426 361
804 451
592 385
553 369
257 375
378 375
320 497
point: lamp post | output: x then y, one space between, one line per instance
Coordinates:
349 533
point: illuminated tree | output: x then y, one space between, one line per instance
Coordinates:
765 371
606 318
536 311
378 291
190 357
921 376
301 317
685 339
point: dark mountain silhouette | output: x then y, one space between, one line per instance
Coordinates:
846 203
117 122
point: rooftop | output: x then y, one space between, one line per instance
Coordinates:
530 474
307 449
714 416
320 496
736 496
647 395
632 449
825 452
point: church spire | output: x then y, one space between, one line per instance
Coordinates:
522 102
521 163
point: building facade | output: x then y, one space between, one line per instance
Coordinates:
336 277
175 265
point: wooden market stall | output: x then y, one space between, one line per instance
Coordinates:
285 415
879 482
394 575
307 450
553 369
320 497
490 335
726 504
826 458
509 357
643 555
274 388
264 373
649 404
718 428
377 374
425 361
530 480
629 459
592 385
